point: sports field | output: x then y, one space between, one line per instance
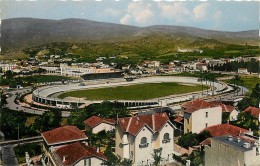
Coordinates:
133 92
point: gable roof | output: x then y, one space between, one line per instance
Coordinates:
63 134
197 105
225 108
225 129
133 124
76 151
179 119
253 111
95 120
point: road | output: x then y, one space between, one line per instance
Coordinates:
8 155
14 106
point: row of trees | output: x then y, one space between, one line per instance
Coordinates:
252 66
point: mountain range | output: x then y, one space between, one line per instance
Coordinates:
19 33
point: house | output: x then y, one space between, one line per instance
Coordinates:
242 71
76 154
199 114
231 151
202 66
97 124
233 112
227 129
139 137
255 112
61 136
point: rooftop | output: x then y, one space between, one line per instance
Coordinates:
235 142
197 105
133 124
95 120
77 151
63 134
253 111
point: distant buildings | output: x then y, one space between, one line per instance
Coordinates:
97 124
139 137
199 114
242 71
189 50
231 151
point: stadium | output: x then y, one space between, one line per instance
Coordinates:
48 95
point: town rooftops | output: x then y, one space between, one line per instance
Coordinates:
93 121
225 129
70 154
196 105
237 143
179 119
63 134
225 108
253 111
133 124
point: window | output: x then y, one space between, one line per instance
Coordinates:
206 124
166 138
143 143
144 140
188 121
188 130
206 114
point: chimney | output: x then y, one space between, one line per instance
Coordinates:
98 149
238 140
246 145
63 158
230 138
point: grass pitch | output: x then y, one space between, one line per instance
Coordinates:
133 92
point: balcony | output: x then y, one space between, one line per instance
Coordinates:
166 141
143 145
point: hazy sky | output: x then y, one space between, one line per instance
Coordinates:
223 15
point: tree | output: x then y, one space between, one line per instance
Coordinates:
48 121
192 139
256 92
157 158
105 110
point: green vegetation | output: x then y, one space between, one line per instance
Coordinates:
11 79
33 149
160 47
247 81
133 92
252 66
197 74
247 121
192 139
253 100
104 110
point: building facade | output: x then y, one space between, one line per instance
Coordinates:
140 137
199 114
231 151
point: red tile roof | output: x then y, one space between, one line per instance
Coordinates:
196 105
225 129
133 124
95 120
75 152
179 119
253 111
225 108
63 134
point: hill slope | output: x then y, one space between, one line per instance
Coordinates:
28 32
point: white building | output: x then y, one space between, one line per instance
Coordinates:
97 124
242 71
231 151
139 137
6 67
199 114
